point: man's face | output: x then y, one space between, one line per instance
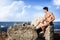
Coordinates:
45 10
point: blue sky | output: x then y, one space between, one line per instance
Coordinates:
27 10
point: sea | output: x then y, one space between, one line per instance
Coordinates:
4 25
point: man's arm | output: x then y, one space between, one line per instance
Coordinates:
52 17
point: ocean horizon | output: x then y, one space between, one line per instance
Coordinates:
4 25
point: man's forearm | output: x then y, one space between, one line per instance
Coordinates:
45 24
51 20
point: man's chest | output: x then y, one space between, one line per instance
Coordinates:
47 15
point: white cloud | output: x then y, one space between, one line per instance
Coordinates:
5 2
57 7
13 12
18 11
29 6
56 3
38 7
38 14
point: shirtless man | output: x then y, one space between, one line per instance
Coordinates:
47 20
49 30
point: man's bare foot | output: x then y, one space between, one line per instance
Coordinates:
41 32
37 27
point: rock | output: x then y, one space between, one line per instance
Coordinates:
22 32
49 33
26 23
3 35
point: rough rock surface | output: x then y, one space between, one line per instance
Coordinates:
22 32
49 33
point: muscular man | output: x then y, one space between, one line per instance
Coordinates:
49 31
48 19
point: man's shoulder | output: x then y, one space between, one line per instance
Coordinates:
50 12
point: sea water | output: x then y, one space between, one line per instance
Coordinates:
4 25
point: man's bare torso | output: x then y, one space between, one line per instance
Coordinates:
48 16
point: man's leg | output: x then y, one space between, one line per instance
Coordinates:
36 21
49 33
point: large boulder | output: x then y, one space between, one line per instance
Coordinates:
49 33
22 32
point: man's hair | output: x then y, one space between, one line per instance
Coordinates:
45 8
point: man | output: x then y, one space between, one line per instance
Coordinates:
47 23
48 19
49 31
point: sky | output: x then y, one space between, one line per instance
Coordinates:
27 10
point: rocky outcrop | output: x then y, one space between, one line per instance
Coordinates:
26 31
22 32
3 35
49 33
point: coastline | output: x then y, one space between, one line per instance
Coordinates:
4 35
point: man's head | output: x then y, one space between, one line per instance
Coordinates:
45 9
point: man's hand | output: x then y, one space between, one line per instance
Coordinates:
45 23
